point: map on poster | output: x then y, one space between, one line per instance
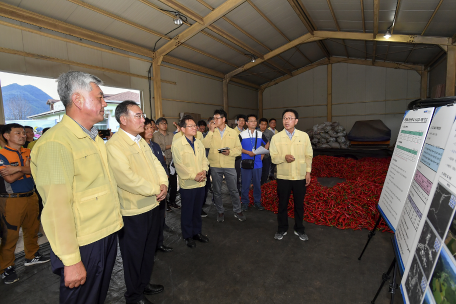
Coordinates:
405 158
417 201
431 276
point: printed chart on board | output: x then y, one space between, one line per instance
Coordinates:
416 206
405 158
431 276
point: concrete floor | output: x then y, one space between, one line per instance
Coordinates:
243 264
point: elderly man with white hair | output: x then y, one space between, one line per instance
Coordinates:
81 214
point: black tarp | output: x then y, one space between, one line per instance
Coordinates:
369 130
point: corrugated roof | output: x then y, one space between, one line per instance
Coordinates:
251 29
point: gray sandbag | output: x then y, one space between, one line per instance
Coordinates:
332 133
321 126
327 128
339 129
322 141
317 136
334 145
324 146
345 145
343 133
341 139
315 141
331 139
327 123
335 124
325 135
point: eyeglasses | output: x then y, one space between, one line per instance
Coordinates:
191 126
139 116
289 118
218 117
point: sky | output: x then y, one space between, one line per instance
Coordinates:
47 85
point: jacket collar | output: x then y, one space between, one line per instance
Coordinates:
73 127
125 137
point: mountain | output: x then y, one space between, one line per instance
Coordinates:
22 101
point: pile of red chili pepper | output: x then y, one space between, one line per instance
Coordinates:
347 205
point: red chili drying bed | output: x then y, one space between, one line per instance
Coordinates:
348 205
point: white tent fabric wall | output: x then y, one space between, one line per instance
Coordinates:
358 93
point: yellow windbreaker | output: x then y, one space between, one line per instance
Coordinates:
138 173
299 146
214 141
78 188
189 163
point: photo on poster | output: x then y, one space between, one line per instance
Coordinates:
450 240
415 282
428 298
427 249
441 209
443 281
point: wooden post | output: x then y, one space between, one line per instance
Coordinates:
225 96
329 104
424 84
260 103
157 89
451 71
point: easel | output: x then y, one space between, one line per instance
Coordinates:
386 276
371 234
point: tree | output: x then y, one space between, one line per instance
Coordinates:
17 108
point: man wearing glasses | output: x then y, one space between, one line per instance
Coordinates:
224 145
191 166
292 152
141 184
165 139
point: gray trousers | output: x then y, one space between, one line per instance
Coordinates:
230 178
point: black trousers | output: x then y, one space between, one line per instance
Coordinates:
138 241
98 259
172 188
265 170
237 166
191 205
161 209
284 188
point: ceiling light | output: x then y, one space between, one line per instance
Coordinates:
388 33
178 21
252 57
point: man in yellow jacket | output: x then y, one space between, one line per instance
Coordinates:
189 156
141 184
224 145
81 212
292 152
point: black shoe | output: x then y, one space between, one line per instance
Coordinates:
143 301
168 208
152 289
9 276
203 213
174 205
201 238
190 243
164 248
38 259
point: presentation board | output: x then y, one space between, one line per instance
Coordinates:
405 158
417 202
439 230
